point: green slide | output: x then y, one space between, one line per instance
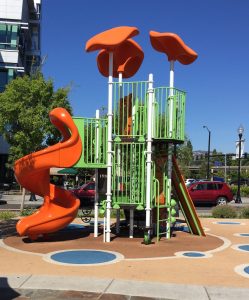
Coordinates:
185 201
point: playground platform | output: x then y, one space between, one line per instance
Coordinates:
184 267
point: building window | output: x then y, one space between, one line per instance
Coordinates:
8 36
3 79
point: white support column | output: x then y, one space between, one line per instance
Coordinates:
149 154
170 147
109 151
118 174
120 81
171 93
96 199
120 78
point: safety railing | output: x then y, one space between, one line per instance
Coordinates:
93 133
129 109
169 114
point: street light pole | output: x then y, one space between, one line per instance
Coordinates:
208 162
240 133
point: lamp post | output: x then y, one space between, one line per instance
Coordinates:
240 133
208 162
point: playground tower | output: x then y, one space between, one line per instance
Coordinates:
135 143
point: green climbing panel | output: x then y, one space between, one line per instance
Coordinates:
93 134
128 181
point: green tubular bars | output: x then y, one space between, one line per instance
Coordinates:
129 109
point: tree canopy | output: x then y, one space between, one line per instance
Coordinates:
185 156
24 114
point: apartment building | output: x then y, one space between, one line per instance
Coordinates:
20 49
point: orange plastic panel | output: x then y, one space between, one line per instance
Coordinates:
111 38
32 172
173 46
127 59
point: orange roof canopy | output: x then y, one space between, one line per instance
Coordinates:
127 59
111 38
173 46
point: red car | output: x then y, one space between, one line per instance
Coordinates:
210 192
86 194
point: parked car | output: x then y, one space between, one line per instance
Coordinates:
86 194
210 192
189 181
5 186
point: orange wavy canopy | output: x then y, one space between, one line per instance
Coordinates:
173 46
127 59
111 38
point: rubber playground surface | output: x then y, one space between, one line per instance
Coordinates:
219 259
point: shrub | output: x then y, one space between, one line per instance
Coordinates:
234 189
224 211
28 212
244 190
6 215
244 213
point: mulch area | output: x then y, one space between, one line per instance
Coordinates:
82 238
8 228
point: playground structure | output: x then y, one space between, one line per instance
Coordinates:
135 144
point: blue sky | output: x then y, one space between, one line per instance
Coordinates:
216 83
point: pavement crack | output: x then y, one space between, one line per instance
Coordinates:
101 294
207 293
25 280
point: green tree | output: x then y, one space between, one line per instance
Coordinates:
24 114
185 157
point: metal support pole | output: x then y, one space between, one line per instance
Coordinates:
149 155
96 199
225 175
208 158
238 197
109 151
170 146
208 163
171 93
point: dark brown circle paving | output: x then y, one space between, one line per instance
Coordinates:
129 248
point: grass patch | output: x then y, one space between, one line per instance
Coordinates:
229 212
224 212
6 215
27 212
244 213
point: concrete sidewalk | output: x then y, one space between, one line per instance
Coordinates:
64 287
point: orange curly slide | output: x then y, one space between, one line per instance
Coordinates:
60 206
